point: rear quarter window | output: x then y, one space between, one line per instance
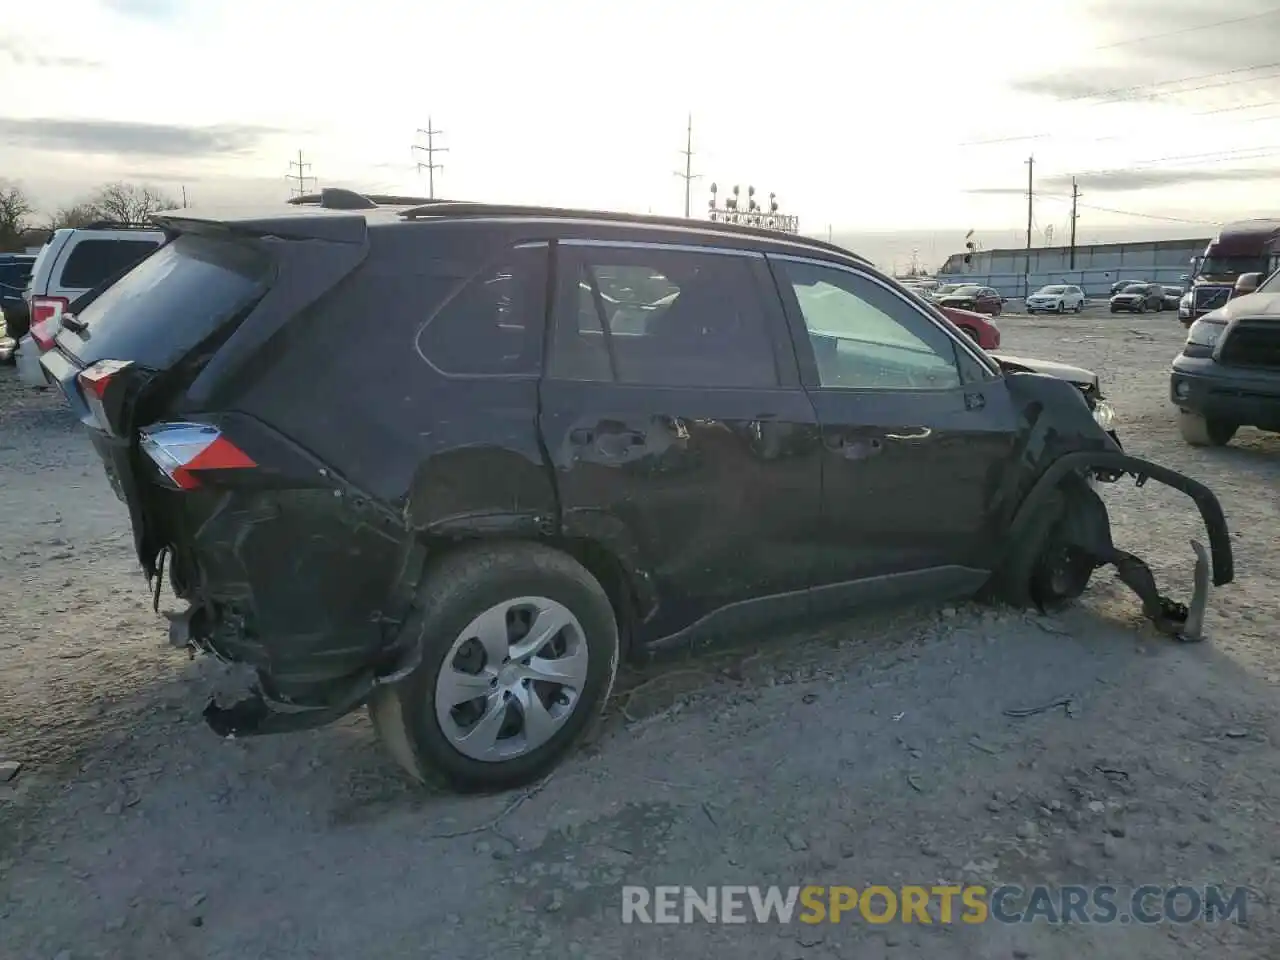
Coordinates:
92 261
171 302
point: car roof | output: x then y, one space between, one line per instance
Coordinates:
344 215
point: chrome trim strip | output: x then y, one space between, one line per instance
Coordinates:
659 245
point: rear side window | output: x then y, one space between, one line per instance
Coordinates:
660 317
490 327
92 261
170 302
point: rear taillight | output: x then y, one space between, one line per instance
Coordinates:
46 320
182 451
94 383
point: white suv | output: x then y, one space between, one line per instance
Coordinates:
72 262
1058 298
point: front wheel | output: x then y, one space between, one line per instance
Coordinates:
519 654
1062 307
1201 431
1141 307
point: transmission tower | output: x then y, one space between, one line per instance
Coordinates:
301 176
687 174
430 150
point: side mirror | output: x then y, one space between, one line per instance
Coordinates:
1247 283
1184 278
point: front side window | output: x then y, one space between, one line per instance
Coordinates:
864 337
661 318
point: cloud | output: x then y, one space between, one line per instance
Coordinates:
156 10
126 138
998 191
24 55
1154 44
1121 181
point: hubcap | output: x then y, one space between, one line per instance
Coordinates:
511 679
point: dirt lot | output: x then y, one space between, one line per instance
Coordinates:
871 751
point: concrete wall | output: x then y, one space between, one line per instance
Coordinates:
1097 267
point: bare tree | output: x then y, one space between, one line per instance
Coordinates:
15 208
129 203
76 215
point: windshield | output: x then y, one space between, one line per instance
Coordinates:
1054 290
1135 288
1232 266
965 289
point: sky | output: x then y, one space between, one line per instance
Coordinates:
911 122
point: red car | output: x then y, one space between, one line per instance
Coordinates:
970 296
982 329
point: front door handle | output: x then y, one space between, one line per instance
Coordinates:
918 434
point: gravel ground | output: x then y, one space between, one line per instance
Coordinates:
870 751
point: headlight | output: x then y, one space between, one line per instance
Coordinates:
1204 334
1104 414
1184 306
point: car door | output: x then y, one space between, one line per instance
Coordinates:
672 412
915 427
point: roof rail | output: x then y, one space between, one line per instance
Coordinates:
451 208
338 198
117 225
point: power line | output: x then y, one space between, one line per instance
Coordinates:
688 175
301 176
1064 198
1149 216
1196 29
430 150
1108 97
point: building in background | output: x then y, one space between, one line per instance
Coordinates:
1096 268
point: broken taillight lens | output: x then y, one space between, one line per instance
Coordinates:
94 383
182 451
46 320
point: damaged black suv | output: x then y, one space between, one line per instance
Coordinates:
454 461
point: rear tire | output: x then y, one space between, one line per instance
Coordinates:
515 584
1080 307
1200 431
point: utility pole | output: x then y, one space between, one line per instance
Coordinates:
1075 199
688 175
430 150
1026 272
184 196
301 176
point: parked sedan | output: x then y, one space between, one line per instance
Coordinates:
1172 297
1058 298
970 296
978 327
1139 298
